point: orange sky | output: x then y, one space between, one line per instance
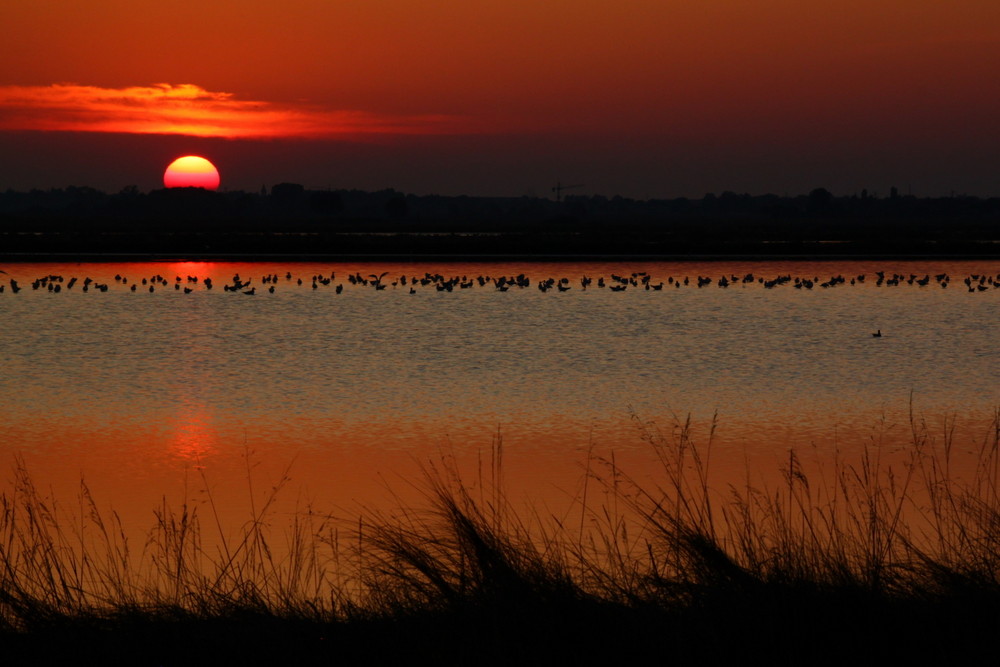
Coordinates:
190 110
733 88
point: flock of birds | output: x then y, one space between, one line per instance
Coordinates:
639 280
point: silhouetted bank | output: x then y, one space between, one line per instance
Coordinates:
291 220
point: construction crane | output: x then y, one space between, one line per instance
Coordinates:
559 187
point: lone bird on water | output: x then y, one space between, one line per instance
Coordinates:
877 334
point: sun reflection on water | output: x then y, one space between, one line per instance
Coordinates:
193 439
137 388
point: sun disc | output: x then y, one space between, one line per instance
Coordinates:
191 171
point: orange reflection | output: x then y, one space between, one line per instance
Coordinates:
193 438
373 459
182 269
560 472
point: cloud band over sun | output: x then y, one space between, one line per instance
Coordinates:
188 109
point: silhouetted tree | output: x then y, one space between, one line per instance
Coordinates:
287 193
820 200
396 207
326 202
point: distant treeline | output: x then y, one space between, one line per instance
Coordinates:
289 218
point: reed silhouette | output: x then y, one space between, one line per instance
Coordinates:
867 562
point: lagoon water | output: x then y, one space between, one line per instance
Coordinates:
177 394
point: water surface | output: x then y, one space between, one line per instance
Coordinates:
143 392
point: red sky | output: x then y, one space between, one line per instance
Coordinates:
639 98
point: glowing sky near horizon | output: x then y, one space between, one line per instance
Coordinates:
737 92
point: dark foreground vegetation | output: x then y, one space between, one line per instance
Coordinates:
867 563
288 219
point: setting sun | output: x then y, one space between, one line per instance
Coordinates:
191 171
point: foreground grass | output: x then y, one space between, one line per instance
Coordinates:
863 563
